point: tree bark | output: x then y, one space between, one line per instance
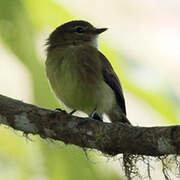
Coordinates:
109 138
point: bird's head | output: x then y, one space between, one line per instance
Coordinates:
75 33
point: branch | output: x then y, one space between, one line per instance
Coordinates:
108 138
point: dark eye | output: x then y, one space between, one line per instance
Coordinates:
79 30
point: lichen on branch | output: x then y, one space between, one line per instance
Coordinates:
109 138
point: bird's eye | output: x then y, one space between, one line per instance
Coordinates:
79 30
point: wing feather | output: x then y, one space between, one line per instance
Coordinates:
112 80
100 62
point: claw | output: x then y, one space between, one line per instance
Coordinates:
95 115
72 112
58 109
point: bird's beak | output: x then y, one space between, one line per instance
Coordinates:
100 30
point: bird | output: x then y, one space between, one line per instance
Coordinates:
80 75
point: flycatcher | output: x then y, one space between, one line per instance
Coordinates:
80 75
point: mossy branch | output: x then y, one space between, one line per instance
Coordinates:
108 138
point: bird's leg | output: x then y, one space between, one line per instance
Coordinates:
72 112
95 115
58 109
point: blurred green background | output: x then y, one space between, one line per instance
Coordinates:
24 27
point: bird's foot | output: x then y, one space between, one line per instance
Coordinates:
72 112
95 115
60 110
